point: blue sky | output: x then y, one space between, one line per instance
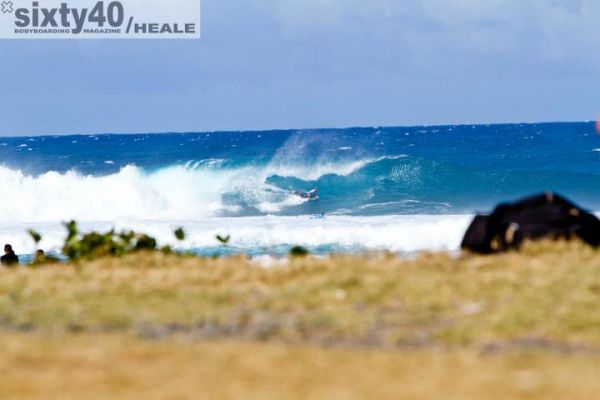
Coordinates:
264 64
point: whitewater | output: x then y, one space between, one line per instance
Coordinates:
381 189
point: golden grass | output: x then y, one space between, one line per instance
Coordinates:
550 291
122 367
151 326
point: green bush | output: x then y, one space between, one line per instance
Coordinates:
93 245
179 234
299 251
224 240
80 246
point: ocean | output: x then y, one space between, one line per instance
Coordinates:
401 189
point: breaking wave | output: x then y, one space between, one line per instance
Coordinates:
192 191
399 189
211 188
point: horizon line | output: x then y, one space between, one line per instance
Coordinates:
183 132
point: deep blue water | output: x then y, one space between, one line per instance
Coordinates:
359 171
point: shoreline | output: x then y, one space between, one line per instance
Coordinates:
274 235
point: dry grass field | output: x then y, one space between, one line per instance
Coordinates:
151 326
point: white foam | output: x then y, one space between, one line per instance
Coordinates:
393 233
172 193
185 192
274 207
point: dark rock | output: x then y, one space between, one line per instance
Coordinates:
545 216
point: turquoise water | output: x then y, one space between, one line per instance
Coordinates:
372 181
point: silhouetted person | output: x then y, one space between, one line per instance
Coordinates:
41 258
9 259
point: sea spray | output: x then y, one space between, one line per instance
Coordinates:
400 189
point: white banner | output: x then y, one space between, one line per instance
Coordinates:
91 19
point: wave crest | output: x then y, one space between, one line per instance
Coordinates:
196 190
192 191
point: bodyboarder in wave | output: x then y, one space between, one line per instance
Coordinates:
312 195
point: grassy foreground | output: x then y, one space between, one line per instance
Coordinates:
511 326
